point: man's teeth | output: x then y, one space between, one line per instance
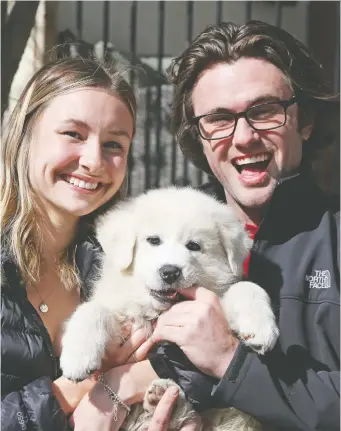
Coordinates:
254 159
81 184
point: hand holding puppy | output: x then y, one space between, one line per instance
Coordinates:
133 348
200 329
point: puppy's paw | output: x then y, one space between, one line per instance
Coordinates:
248 310
155 392
183 411
77 363
260 335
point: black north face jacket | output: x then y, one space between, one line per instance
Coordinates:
295 258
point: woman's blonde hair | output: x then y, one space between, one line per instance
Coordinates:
21 221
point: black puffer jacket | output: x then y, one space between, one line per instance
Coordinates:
28 365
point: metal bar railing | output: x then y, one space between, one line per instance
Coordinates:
133 40
278 13
159 158
147 124
219 11
173 160
4 6
79 20
249 5
190 11
199 172
106 12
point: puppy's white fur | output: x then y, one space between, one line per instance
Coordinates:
190 231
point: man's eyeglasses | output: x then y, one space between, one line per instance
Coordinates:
266 116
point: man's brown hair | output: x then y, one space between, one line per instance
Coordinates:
227 42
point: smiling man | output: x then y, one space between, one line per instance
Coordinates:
251 108
250 132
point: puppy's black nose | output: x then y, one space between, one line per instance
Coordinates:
170 273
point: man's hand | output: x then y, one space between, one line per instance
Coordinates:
163 412
200 329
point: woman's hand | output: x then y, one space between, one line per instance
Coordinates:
127 349
200 329
96 410
163 412
130 348
70 393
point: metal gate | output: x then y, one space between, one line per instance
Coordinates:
155 160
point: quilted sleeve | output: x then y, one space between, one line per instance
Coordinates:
34 407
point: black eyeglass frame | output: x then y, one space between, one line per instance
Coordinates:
284 103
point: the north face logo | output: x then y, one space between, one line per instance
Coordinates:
321 279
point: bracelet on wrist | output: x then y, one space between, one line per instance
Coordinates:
113 396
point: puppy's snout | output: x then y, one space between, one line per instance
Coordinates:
170 273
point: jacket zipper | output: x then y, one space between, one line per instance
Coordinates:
46 339
256 243
36 321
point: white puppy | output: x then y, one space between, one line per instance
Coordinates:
155 244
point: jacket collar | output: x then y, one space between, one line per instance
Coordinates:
295 200
303 174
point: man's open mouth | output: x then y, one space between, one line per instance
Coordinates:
257 163
165 295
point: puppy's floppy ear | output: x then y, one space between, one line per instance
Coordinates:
235 240
115 232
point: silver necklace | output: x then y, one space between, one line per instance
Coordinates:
43 307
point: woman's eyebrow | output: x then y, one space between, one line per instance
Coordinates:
119 132
75 122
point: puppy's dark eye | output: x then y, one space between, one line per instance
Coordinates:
154 240
193 246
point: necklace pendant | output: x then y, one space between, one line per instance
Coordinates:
43 307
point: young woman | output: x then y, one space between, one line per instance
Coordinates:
64 161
